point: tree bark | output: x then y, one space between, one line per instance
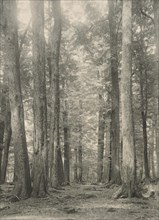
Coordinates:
80 168
146 162
66 145
58 174
115 129
1 144
7 140
152 151
106 163
75 165
22 173
128 165
101 130
143 79
39 108
156 19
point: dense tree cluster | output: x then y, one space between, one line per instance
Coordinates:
79 100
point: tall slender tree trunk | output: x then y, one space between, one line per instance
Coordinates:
75 165
115 129
146 162
51 99
156 19
80 168
152 151
128 165
58 174
7 139
101 130
39 108
144 121
66 145
22 173
106 162
143 92
1 144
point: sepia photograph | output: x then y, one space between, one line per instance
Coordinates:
79 109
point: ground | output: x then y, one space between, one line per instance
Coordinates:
79 202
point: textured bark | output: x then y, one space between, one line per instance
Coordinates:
156 19
101 130
7 139
128 165
143 94
106 162
58 174
66 145
40 117
51 98
22 173
1 143
152 151
115 145
80 169
144 122
75 165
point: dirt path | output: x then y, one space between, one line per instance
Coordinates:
81 202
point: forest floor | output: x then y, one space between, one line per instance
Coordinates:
84 202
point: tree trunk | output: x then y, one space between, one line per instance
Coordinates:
156 19
106 163
144 119
39 109
66 146
1 144
146 166
51 100
75 165
128 165
152 151
58 174
115 145
143 92
80 169
22 173
7 139
101 130
80 158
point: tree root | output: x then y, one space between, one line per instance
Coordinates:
122 192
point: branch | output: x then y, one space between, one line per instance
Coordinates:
146 15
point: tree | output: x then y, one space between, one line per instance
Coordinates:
144 101
58 175
22 173
2 125
80 144
156 20
7 134
39 108
101 130
115 128
66 144
128 164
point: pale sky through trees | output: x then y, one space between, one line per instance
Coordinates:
72 9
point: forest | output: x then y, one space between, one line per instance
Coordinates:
79 109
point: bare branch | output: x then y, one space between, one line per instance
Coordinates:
148 16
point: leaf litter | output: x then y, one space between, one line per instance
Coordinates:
83 202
